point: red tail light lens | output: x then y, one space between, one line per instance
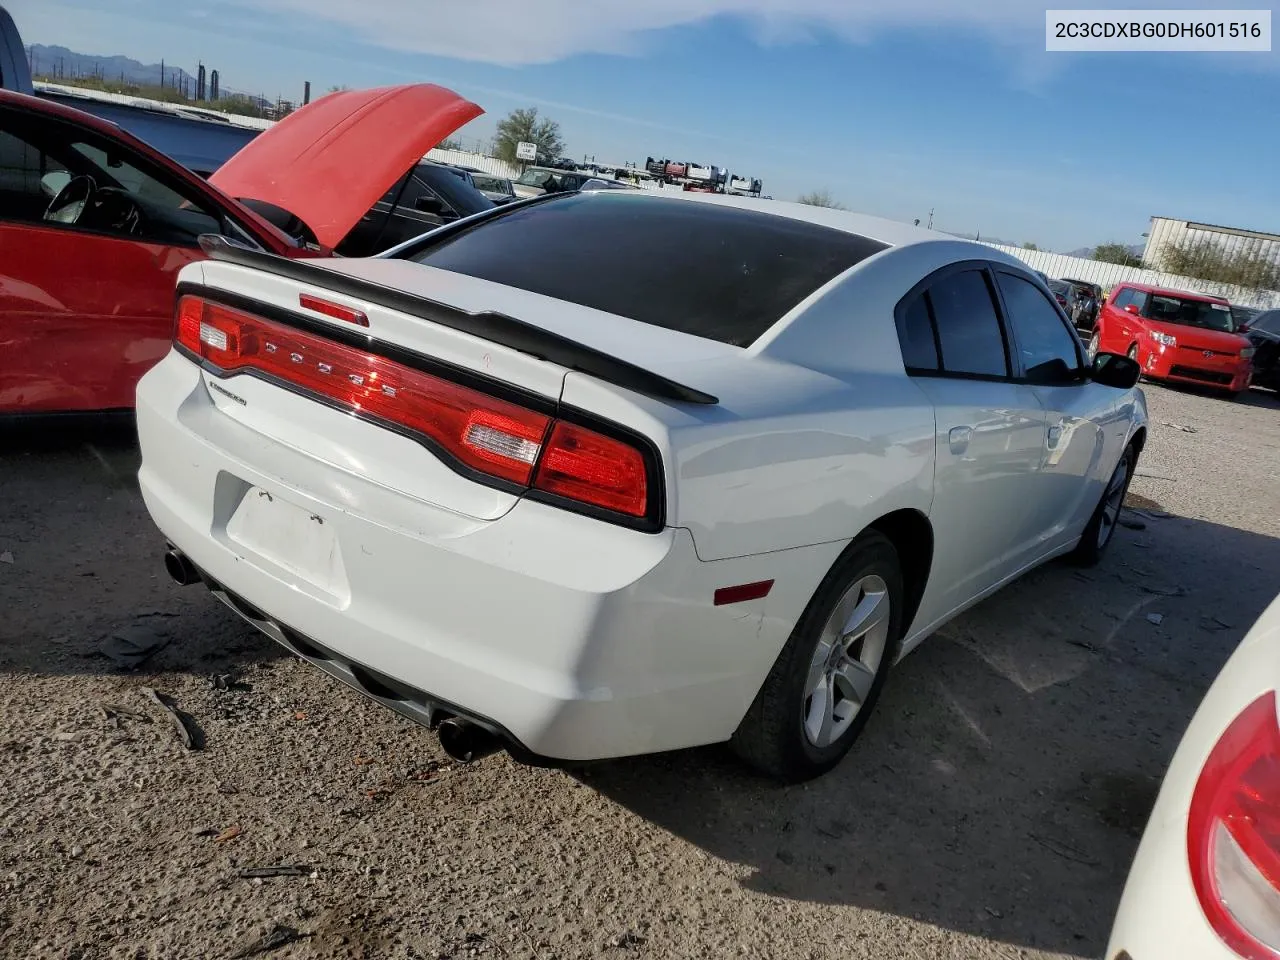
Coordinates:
495 437
589 467
1233 834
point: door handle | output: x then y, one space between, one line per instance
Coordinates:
959 438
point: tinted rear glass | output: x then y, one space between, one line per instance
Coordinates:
716 272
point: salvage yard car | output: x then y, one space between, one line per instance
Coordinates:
95 225
1176 336
1205 884
653 504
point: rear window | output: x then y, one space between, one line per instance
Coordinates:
716 272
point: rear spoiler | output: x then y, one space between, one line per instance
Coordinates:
487 325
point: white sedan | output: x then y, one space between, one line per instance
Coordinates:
610 473
1205 884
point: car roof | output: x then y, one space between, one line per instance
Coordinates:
1172 292
889 232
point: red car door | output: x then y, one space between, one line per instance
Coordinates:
67 324
86 279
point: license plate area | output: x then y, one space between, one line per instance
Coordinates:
294 543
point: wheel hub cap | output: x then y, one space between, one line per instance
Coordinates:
846 660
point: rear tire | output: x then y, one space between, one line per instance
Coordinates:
1101 529
828 677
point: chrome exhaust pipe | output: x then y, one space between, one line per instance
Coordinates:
181 570
465 742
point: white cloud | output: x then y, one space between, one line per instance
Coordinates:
517 32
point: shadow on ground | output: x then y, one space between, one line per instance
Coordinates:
1005 779
999 790
81 567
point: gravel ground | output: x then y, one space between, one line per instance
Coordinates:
990 810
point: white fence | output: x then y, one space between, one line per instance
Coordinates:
464 158
1107 275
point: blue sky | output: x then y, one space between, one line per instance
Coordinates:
895 109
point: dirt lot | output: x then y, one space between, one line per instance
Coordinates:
990 810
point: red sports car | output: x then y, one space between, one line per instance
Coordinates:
1175 336
95 224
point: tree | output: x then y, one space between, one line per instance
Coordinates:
339 89
1206 260
523 126
821 198
449 143
1029 246
1116 253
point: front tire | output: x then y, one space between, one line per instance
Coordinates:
1101 528
826 680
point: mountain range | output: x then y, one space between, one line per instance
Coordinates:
55 61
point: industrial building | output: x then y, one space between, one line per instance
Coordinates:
1166 233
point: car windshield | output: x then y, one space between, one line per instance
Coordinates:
492 184
597 250
1060 286
1190 313
535 178
1268 322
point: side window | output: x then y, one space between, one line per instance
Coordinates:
107 189
968 326
915 333
439 205
420 198
1049 351
29 177
1123 299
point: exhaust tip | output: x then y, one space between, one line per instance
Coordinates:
181 570
464 742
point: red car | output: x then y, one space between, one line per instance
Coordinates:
95 224
1176 336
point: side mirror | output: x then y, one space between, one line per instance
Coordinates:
1114 370
1131 308
425 204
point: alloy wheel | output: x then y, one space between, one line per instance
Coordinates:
846 660
1113 502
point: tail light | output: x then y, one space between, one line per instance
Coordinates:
1233 833
495 438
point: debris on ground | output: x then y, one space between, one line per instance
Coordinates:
1178 591
626 940
280 936
188 732
1179 426
1131 523
131 645
1155 618
6 557
1083 644
284 870
1063 850
115 712
230 833
994 912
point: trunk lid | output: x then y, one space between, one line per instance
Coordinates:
330 161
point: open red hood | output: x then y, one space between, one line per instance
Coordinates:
330 161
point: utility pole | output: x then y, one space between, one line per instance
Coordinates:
930 218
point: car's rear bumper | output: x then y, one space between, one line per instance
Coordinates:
1179 365
577 638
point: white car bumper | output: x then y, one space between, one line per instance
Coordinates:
574 638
